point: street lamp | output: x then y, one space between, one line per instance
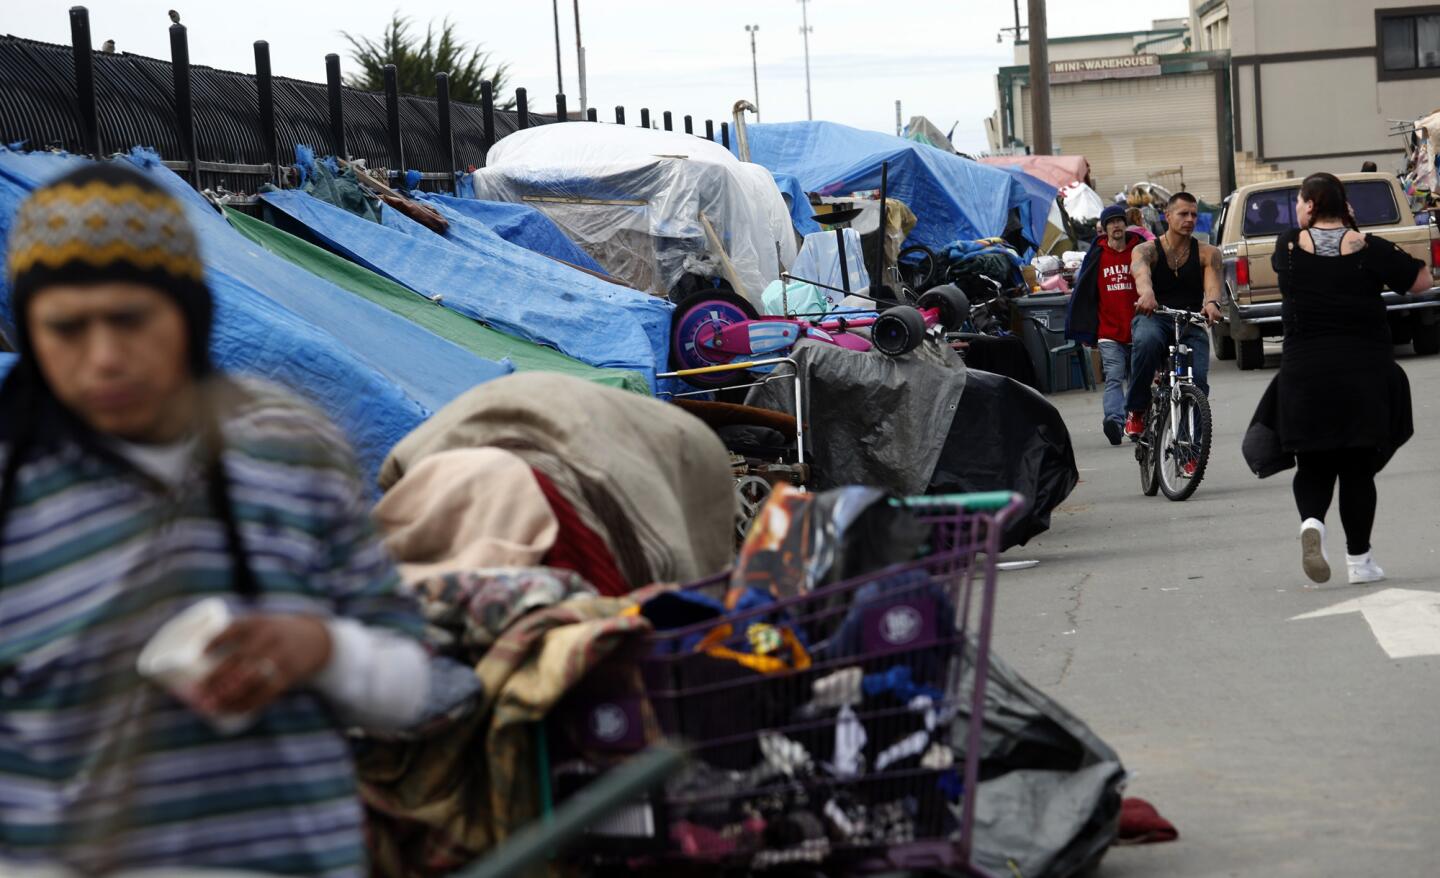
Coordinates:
752 30
805 32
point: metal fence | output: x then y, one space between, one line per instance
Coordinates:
221 128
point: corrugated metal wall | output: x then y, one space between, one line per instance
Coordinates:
135 97
1131 128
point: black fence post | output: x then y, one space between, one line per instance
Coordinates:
710 129
725 134
447 139
592 114
522 109
184 104
487 116
619 115
266 91
87 114
392 123
337 107
645 117
561 114
666 117
689 125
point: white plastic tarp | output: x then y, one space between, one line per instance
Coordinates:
633 198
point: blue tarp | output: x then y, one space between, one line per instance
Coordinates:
520 224
952 197
491 280
376 374
802 214
1041 196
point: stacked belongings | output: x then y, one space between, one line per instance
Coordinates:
524 516
824 688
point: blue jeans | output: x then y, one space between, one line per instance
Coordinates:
1150 338
1115 357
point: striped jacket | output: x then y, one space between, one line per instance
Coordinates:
100 769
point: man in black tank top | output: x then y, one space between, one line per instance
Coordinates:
1173 271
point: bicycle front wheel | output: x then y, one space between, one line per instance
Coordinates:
1184 447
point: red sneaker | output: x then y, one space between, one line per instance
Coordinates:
1189 469
1134 425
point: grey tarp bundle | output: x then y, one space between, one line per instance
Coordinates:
872 419
1050 791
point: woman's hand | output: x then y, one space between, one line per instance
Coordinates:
265 656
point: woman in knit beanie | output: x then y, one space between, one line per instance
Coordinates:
135 482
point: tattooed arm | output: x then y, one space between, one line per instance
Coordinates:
1140 261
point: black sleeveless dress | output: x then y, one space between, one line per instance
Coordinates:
1339 385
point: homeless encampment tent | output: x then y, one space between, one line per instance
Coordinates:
463 331
639 200
1057 170
921 130
374 373
952 197
518 292
923 423
520 224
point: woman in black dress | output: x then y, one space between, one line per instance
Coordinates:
1340 405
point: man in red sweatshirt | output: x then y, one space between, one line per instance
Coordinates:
1102 308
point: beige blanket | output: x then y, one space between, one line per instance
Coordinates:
652 480
463 510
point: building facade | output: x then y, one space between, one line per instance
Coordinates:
1329 84
1140 106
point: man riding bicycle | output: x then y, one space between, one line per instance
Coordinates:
1173 271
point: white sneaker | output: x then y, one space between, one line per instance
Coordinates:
1363 569
1313 556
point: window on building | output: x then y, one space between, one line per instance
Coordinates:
1409 43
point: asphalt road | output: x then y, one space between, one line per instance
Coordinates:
1277 747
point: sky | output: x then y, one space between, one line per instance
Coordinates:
938 57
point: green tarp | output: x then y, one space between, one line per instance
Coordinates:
442 321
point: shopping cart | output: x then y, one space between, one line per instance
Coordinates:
837 726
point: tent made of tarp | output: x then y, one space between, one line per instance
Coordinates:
638 200
520 293
1059 170
376 374
952 196
447 324
522 225
921 130
802 212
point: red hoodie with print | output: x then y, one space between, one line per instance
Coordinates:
1117 291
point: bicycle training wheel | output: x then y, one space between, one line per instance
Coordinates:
1184 448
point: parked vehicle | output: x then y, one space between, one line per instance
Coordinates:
1254 215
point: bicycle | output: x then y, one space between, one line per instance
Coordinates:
1175 445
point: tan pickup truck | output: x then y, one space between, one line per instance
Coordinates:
1256 214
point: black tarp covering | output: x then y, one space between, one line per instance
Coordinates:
1049 797
1006 436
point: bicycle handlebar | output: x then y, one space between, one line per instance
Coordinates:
1196 317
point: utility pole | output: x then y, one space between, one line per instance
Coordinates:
752 30
898 132
1040 143
805 31
559 77
580 58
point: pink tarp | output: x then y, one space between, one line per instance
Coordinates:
1057 170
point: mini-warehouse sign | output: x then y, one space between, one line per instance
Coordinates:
1122 67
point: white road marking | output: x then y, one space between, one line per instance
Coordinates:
1405 621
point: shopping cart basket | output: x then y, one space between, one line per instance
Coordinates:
839 726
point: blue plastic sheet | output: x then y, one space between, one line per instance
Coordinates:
802 214
1041 197
491 280
520 224
377 375
952 197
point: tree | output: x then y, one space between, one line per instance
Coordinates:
416 65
